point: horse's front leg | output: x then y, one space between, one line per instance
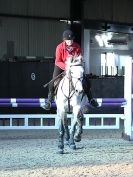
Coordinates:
67 133
79 130
72 132
61 131
73 127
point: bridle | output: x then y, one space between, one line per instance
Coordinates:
72 85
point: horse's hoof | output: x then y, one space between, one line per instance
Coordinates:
77 138
72 146
60 146
66 142
61 151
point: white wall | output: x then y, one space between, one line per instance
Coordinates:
92 56
95 59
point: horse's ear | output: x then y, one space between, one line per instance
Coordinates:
77 59
80 57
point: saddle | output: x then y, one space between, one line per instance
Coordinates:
56 83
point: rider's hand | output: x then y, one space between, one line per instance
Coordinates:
67 65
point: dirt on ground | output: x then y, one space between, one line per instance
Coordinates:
112 157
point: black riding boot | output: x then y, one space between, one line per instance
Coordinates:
92 101
87 90
47 106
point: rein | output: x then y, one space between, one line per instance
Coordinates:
71 87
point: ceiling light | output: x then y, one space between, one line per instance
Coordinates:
99 40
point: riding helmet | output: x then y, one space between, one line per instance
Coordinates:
68 35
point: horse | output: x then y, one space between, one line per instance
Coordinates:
69 98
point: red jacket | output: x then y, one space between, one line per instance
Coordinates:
62 52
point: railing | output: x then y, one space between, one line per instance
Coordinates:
49 121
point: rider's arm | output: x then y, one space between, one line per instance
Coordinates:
58 58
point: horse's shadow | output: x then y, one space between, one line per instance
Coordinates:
76 150
72 151
82 147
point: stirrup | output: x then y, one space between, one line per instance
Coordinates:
47 106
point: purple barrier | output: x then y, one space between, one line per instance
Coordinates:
22 100
103 104
53 104
113 104
42 100
111 100
21 104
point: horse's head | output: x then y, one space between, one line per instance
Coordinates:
73 61
75 73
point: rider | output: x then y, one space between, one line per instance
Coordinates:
65 49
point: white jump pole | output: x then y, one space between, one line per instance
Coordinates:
128 134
